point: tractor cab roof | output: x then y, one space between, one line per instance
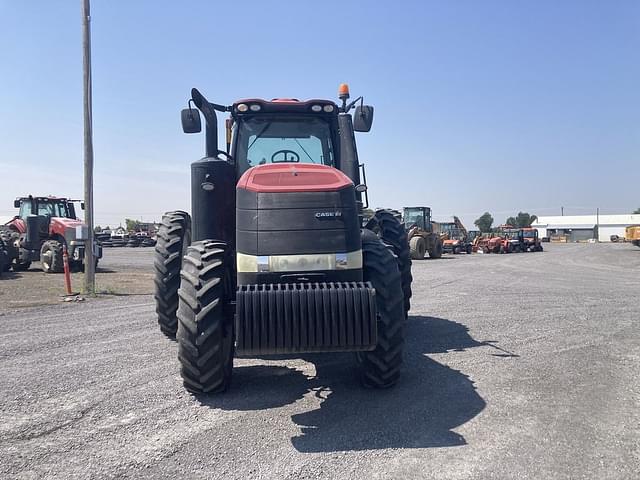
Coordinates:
254 106
48 198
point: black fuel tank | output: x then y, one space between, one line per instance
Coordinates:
213 182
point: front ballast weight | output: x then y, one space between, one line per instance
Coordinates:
305 317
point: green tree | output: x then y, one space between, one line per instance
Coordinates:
484 223
523 219
636 211
132 225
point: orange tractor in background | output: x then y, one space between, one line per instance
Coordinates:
503 240
508 239
531 240
455 238
493 243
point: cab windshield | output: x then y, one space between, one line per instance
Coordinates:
54 209
47 208
413 216
292 139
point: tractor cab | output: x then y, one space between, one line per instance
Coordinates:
417 217
46 207
531 240
284 132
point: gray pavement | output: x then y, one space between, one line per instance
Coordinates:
517 366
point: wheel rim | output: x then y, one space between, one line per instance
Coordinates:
46 260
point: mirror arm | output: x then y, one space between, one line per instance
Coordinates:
350 105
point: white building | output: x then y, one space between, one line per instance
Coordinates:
585 227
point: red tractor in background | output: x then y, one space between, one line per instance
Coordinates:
41 230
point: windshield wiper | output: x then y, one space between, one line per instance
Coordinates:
307 153
262 132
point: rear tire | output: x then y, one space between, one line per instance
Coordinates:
51 257
4 258
392 233
205 326
417 248
174 236
380 368
10 238
469 249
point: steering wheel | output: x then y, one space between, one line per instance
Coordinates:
288 156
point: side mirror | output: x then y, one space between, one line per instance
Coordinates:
363 118
16 203
190 120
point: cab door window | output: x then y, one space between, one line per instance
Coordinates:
25 210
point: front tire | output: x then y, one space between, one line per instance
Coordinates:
205 324
380 368
51 257
174 236
417 248
391 232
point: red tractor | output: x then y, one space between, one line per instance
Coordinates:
43 226
276 257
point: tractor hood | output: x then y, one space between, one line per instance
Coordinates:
297 223
290 177
66 222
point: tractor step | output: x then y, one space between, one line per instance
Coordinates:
305 317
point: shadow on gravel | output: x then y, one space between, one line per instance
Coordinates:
421 411
260 387
10 275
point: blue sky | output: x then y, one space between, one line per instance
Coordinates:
480 105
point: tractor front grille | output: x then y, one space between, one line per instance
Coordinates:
305 317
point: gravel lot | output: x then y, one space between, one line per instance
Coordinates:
121 271
517 366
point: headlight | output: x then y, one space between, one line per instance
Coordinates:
299 263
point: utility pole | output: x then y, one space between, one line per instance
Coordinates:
598 224
89 261
562 211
